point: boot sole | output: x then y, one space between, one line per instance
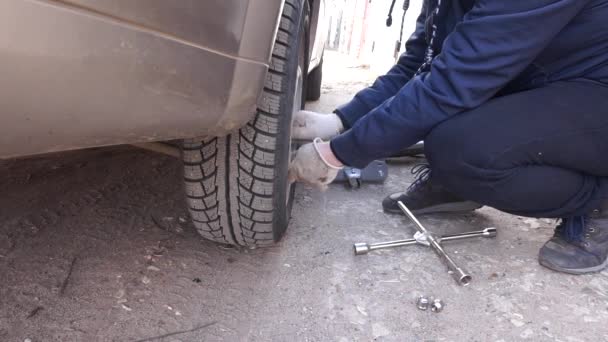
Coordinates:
575 271
455 207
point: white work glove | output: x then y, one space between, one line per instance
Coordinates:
309 125
314 164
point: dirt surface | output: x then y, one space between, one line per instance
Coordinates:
95 246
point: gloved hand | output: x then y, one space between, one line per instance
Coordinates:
314 164
309 125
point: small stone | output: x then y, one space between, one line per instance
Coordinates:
145 280
153 268
517 322
287 265
126 307
361 310
27 340
177 313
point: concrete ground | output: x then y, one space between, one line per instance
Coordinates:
95 246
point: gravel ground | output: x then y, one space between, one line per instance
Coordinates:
95 246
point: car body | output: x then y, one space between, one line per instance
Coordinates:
86 73
221 79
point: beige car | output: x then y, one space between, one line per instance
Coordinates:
220 78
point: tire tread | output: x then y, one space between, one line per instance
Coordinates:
230 181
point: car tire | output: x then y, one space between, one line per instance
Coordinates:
314 80
237 186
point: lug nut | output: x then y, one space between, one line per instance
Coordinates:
422 303
437 305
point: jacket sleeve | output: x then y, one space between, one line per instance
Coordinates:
494 43
388 85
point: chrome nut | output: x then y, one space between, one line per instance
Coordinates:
437 305
423 303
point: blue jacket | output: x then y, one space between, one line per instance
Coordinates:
486 48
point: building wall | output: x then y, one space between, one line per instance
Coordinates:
358 29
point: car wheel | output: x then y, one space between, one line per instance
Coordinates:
236 186
313 83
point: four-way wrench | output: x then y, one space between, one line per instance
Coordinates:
426 238
421 239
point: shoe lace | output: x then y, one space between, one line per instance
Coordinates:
422 172
572 228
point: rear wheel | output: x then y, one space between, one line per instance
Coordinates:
236 186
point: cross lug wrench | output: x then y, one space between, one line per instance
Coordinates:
461 276
426 238
364 248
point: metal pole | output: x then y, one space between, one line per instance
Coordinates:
364 248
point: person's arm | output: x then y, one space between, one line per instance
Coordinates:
389 84
495 42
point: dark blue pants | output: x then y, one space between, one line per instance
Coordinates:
538 153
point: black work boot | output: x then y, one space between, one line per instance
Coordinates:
580 244
425 196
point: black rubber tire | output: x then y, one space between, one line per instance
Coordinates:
313 83
236 186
